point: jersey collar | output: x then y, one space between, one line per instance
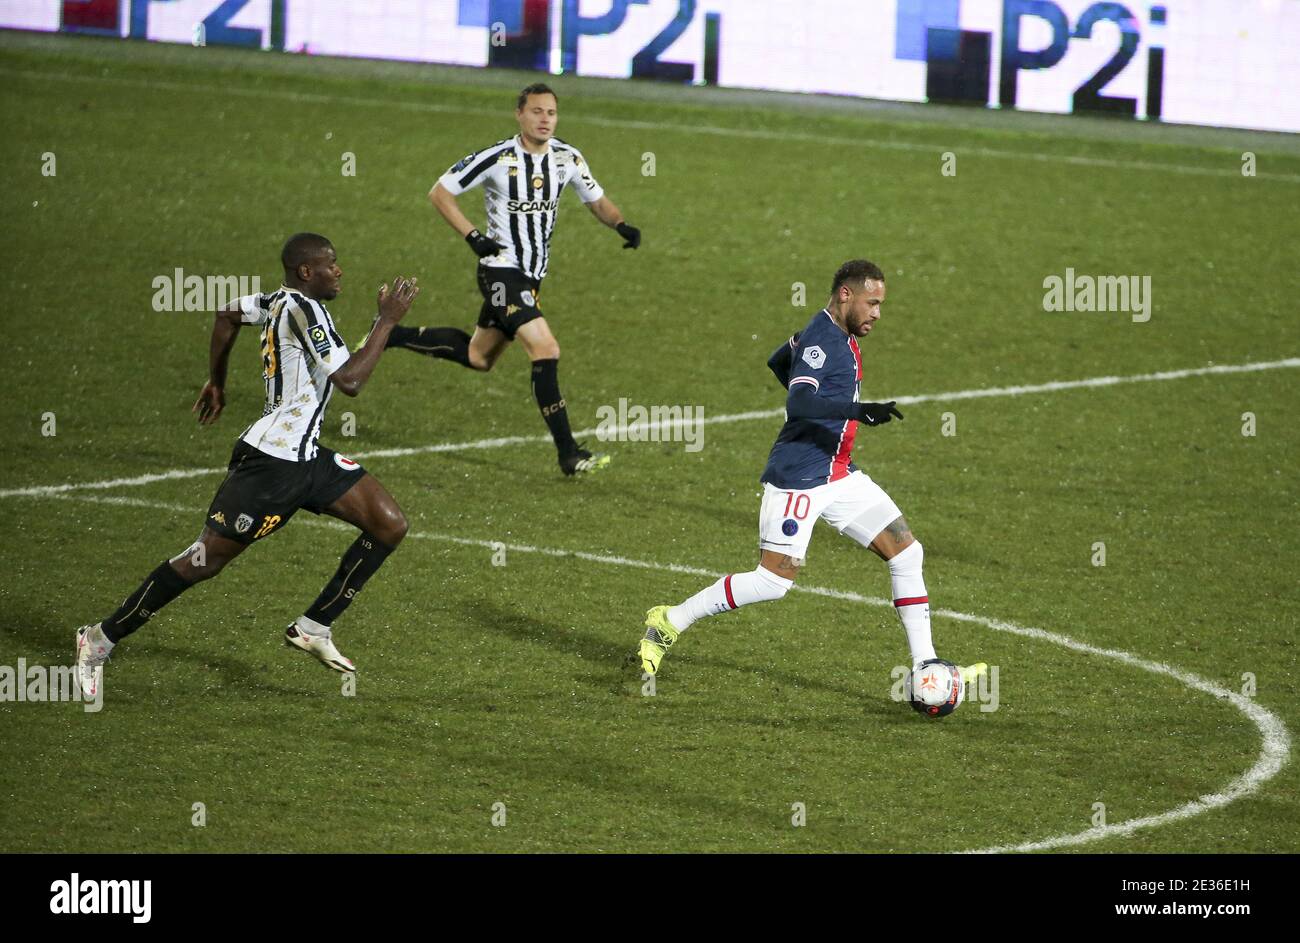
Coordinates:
827 312
519 146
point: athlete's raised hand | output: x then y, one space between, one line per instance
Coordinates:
395 302
211 401
875 414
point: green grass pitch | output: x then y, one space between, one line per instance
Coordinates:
481 684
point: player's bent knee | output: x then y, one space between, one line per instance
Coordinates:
391 525
909 559
399 529
772 586
199 564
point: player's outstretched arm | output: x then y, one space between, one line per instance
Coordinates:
212 398
804 403
445 203
393 305
609 214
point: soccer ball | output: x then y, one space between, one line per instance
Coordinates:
935 688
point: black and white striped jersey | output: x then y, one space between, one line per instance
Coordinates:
300 349
521 196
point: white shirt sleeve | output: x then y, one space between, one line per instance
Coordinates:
253 309
589 191
470 171
314 329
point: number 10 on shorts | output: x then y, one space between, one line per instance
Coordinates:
797 505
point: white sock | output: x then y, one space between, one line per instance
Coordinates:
911 602
730 592
99 637
311 627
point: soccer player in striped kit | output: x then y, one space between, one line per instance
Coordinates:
278 465
810 474
523 179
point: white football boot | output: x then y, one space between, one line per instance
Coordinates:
320 645
93 648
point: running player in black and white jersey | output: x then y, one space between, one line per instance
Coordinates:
523 179
278 466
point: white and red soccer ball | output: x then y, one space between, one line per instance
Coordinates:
935 688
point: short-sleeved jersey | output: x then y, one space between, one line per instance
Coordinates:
521 193
300 349
812 452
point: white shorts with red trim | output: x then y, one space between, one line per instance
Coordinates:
854 505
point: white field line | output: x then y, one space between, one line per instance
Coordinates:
647 429
1233 171
1275 748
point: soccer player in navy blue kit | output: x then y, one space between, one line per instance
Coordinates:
810 474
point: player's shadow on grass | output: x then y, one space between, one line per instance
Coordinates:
611 659
586 645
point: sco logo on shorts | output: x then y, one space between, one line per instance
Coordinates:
814 356
790 527
242 523
345 463
527 298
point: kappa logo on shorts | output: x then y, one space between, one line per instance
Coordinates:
790 527
527 298
220 518
243 523
319 339
345 463
814 356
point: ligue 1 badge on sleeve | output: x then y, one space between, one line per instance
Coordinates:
814 356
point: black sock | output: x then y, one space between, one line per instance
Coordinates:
359 563
447 343
158 589
546 390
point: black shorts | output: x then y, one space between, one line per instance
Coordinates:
261 492
509 299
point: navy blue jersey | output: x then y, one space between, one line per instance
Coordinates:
812 452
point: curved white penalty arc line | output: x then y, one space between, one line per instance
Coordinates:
1273 755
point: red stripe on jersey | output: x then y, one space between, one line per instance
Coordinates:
726 585
911 601
843 454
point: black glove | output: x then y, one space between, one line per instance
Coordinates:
631 234
482 245
875 414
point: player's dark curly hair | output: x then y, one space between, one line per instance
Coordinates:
301 248
537 88
856 270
